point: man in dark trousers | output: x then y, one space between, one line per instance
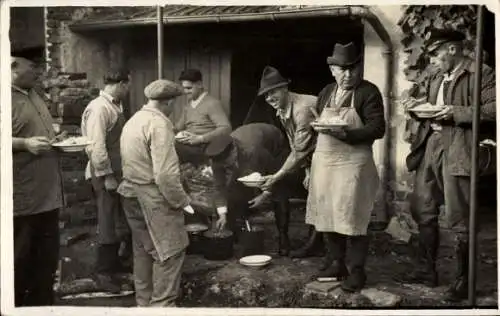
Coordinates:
102 122
256 147
38 195
441 154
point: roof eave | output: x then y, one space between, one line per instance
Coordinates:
219 18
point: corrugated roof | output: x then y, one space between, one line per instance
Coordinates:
172 13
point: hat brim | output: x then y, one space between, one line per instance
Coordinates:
432 47
331 60
264 90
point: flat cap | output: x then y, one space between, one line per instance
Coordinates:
437 37
162 90
218 145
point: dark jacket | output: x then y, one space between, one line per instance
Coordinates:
370 108
457 134
259 148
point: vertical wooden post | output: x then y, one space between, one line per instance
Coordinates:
160 41
475 152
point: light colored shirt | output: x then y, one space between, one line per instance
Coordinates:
149 157
98 119
194 103
447 78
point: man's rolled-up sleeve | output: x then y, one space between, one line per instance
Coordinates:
303 143
166 169
96 123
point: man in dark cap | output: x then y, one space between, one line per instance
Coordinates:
295 113
102 122
37 184
203 119
344 179
441 154
256 147
154 197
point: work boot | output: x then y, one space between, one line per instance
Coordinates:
425 270
107 259
125 256
334 258
459 290
358 251
313 247
282 216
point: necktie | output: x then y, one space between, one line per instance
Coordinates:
446 86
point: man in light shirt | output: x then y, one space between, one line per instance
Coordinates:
154 198
441 155
203 119
102 123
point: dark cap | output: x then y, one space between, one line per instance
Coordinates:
435 38
162 90
193 75
218 145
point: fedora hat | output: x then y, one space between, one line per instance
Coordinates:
271 79
344 55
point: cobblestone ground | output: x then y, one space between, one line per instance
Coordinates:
388 261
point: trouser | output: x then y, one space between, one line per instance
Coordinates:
194 154
36 253
434 186
112 227
157 282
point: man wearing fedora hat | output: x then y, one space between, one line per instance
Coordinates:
344 178
441 154
256 147
295 112
154 198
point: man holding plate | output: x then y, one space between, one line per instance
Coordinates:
38 194
344 178
441 154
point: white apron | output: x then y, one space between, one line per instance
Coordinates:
343 183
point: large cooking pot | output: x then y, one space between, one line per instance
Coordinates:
252 242
218 245
195 232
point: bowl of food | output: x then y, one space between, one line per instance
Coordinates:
73 144
255 260
426 110
253 180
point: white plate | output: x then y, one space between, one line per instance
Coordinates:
327 125
79 144
427 108
255 260
252 184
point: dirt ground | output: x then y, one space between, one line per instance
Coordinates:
282 280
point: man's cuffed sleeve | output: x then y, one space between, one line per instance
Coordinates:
97 121
166 169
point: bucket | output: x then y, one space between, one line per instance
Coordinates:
218 246
251 242
195 233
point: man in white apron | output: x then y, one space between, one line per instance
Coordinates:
154 199
344 179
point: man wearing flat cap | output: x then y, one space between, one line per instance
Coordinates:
295 113
344 178
154 199
256 147
203 119
441 153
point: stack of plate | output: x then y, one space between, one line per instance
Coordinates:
255 260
